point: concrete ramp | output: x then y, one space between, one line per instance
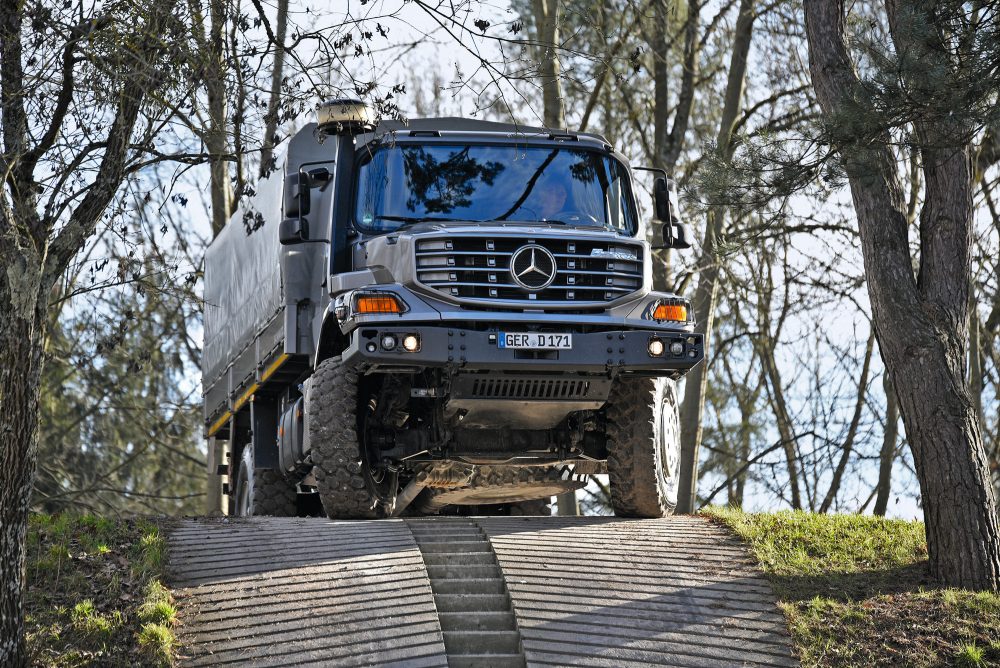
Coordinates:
282 592
612 592
497 591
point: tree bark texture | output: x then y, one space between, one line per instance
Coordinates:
704 298
670 152
22 318
547 20
921 322
215 138
274 103
660 47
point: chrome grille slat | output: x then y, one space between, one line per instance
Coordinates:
437 282
448 252
476 268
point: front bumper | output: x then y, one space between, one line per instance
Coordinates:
610 352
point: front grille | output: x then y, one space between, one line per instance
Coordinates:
586 270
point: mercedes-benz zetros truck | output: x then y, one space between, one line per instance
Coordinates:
443 316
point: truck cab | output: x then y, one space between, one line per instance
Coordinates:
455 316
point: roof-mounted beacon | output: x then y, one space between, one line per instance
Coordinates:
344 116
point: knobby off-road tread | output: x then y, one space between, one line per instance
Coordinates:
274 495
634 460
270 492
332 409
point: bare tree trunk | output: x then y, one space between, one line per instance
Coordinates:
35 250
703 301
887 456
748 409
547 20
674 141
22 320
922 322
274 104
784 420
660 47
852 429
215 137
217 145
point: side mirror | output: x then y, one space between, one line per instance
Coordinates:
675 235
297 187
661 199
665 201
293 231
667 209
295 204
681 235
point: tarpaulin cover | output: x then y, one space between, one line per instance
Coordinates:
242 279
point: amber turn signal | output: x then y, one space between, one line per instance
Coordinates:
678 312
377 304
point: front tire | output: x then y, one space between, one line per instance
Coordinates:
351 485
263 491
643 430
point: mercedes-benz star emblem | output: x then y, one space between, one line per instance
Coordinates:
533 267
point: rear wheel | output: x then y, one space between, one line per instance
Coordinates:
643 431
351 479
263 491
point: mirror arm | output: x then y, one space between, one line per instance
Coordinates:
657 170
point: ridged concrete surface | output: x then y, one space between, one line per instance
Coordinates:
594 591
289 591
583 592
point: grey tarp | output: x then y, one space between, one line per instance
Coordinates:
242 279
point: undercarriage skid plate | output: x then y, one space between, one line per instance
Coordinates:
504 484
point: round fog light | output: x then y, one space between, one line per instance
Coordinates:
388 342
411 342
655 347
677 347
371 347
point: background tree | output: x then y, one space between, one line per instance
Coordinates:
930 82
101 87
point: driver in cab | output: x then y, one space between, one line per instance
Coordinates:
551 198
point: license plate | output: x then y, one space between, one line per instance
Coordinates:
535 341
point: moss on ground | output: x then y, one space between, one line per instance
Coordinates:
95 595
856 592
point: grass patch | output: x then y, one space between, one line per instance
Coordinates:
95 595
856 592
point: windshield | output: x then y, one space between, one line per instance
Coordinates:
404 184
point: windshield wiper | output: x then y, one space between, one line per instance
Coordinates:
556 221
417 219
